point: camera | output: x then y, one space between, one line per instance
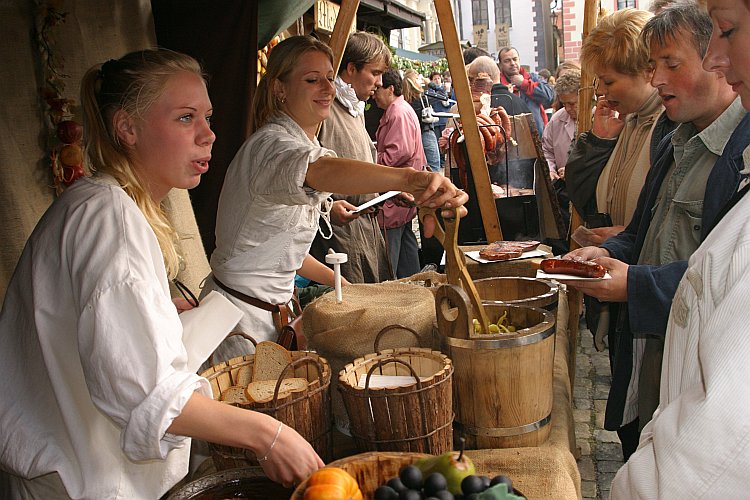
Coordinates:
427 116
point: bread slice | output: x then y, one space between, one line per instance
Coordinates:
234 395
262 391
244 375
270 361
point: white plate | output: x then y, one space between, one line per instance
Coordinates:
568 277
474 255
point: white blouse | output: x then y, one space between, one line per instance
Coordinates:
92 354
267 219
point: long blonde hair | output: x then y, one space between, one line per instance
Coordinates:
281 61
131 83
411 88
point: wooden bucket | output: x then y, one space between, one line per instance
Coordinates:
502 388
414 417
308 412
518 291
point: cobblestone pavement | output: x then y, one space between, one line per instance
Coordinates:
601 454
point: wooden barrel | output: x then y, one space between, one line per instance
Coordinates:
502 383
518 291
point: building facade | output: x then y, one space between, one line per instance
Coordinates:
545 32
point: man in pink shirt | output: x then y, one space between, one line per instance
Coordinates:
399 144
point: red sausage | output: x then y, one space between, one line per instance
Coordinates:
582 268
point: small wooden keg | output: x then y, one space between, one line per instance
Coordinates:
502 383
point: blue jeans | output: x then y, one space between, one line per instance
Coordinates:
402 250
431 151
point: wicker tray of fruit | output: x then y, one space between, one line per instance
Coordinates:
394 475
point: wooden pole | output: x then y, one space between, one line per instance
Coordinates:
586 94
340 35
585 98
477 161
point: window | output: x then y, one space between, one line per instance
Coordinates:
502 12
624 4
479 12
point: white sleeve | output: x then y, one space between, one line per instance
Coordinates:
279 164
130 343
698 445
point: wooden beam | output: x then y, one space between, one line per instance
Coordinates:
585 99
474 147
340 35
586 94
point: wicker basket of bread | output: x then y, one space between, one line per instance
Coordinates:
291 386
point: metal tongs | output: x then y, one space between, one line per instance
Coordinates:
455 263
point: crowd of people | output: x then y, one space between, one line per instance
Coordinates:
104 402
676 241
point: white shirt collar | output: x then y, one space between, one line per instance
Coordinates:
347 96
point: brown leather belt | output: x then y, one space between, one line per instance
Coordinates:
279 312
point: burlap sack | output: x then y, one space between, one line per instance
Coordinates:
342 332
428 279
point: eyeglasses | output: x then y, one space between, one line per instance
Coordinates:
186 293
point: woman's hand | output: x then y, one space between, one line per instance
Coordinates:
291 460
611 290
606 125
434 190
284 455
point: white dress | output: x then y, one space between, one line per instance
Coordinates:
91 352
266 222
698 443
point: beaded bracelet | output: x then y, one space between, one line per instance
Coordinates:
273 443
